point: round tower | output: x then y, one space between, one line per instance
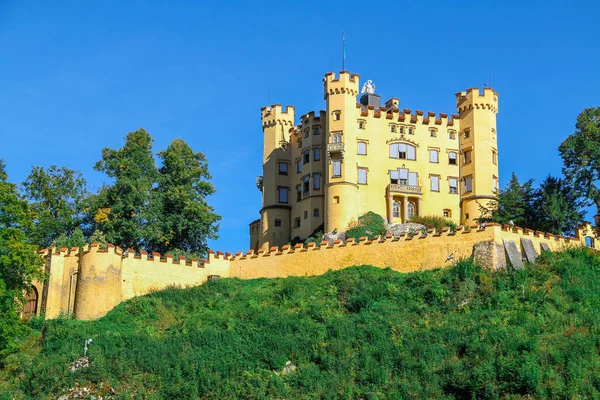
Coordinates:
99 283
341 205
479 151
275 184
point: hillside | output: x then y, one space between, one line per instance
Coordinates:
363 332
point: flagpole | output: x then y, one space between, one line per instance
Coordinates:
343 52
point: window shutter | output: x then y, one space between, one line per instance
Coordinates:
394 150
362 176
435 183
403 173
394 174
411 153
412 179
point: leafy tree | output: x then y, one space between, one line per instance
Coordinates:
120 209
56 195
181 219
19 263
555 207
76 239
515 203
581 156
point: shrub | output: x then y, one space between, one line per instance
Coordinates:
369 224
434 222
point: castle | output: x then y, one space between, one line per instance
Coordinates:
345 161
338 164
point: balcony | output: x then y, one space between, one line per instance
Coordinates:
398 188
335 147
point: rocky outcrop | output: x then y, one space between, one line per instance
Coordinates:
331 237
401 229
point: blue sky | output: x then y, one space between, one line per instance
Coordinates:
77 76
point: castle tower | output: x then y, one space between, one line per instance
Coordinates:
479 151
275 182
99 282
341 203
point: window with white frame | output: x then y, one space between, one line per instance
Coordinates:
412 179
453 183
362 148
337 168
435 183
403 151
337 138
411 210
403 176
396 209
434 156
362 176
452 158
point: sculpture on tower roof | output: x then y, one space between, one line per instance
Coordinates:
368 87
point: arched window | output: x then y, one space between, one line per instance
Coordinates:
403 151
396 210
411 210
589 241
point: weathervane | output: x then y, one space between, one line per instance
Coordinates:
368 87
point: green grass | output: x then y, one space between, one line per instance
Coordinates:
363 332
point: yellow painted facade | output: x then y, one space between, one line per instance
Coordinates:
338 164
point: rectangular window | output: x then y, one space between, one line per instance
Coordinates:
283 168
394 176
282 194
316 212
495 183
494 157
298 193
402 151
305 214
317 154
467 133
412 179
306 185
337 116
362 148
410 131
317 131
362 176
278 222
361 125
297 222
432 133
435 183
392 129
403 176
337 138
453 185
306 132
452 135
452 158
306 157
317 181
402 130
337 168
433 156
468 183
299 166
467 157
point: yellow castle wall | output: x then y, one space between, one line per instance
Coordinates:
106 277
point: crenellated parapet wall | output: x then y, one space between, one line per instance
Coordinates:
90 281
406 115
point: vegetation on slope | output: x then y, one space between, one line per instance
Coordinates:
460 332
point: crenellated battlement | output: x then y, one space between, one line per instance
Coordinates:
407 116
345 83
476 99
277 115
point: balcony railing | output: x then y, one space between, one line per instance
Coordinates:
335 147
398 188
